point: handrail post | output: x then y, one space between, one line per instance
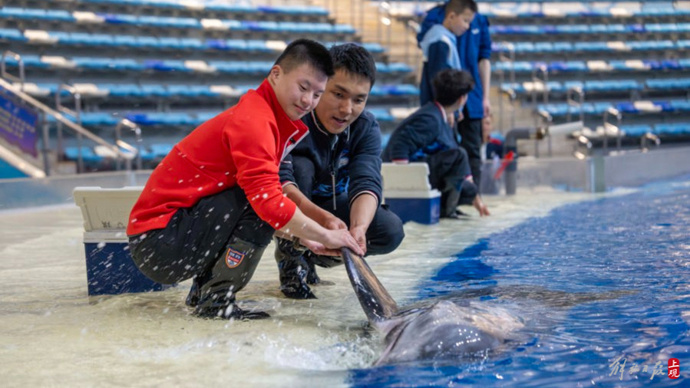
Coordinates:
611 111
539 118
136 150
76 113
646 137
20 63
45 150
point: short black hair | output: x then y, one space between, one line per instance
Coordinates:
302 51
354 59
459 6
451 84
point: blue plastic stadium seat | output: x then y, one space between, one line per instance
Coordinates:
669 84
257 45
567 66
202 117
152 90
591 46
87 154
122 90
651 45
29 61
191 43
98 118
258 66
118 19
260 25
190 90
398 67
673 129
169 42
125 40
381 114
163 118
11 34
636 130
91 39
159 150
147 41
680 105
166 65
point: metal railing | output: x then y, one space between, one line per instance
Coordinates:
609 127
18 91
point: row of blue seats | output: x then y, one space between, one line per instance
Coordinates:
187 90
590 12
384 114
611 46
592 66
527 9
598 108
589 29
173 22
123 64
187 119
151 42
157 151
97 154
214 6
671 129
627 85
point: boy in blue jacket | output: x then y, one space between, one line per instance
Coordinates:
439 43
474 50
426 136
334 175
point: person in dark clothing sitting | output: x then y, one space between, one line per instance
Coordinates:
426 136
335 173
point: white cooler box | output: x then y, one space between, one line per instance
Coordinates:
109 265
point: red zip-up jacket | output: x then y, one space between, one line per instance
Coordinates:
241 146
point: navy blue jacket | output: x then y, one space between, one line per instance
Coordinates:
473 46
352 156
423 133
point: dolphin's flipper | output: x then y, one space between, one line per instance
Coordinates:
377 304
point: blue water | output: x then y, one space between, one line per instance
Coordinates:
634 249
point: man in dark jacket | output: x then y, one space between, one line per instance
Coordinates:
335 173
427 137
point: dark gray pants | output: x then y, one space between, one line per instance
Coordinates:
471 132
196 238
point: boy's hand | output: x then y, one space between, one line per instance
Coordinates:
359 233
332 222
319 248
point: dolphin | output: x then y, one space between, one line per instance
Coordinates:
445 329
451 327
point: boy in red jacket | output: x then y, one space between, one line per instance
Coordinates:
210 207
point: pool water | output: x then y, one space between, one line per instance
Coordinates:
600 285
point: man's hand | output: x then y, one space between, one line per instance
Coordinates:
487 106
359 233
341 238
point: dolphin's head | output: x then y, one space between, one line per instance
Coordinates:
444 330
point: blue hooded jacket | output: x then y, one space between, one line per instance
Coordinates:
473 46
439 47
